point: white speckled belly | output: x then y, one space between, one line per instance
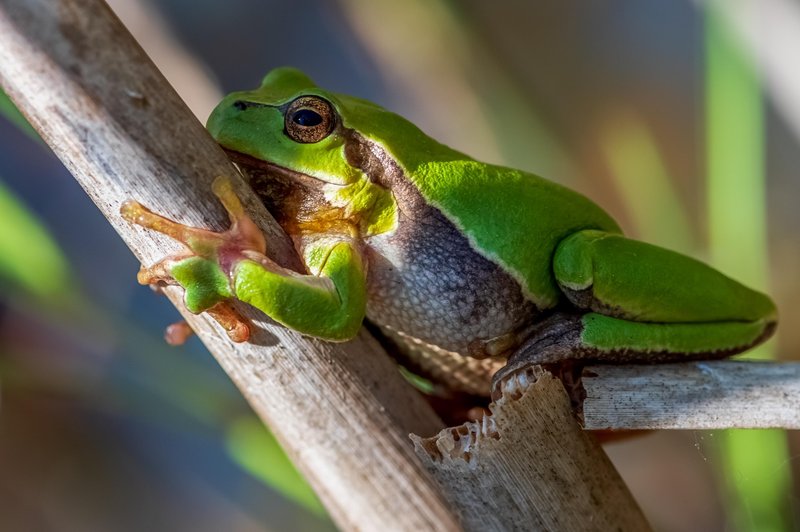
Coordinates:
427 282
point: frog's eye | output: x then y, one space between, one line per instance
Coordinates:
309 119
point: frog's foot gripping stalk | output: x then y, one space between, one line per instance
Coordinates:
204 270
329 302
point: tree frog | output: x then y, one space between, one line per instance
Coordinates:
466 266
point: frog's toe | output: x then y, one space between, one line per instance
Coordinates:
243 234
193 238
177 333
236 326
160 272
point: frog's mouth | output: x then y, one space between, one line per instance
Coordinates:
294 199
253 167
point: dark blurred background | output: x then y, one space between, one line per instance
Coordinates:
681 118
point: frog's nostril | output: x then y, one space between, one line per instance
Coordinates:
240 105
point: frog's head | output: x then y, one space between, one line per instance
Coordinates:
297 138
289 122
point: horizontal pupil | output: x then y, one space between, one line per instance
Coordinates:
307 118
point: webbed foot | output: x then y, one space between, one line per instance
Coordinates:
204 270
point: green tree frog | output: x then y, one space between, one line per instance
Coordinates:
464 265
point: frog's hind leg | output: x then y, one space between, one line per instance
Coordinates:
635 302
646 299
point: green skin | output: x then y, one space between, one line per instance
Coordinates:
352 195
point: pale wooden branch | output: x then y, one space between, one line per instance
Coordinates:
693 395
342 412
529 466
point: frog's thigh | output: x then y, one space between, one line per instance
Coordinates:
645 300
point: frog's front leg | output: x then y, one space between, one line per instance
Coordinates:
217 267
635 302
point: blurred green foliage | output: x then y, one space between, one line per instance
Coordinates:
754 462
632 153
254 448
10 112
29 257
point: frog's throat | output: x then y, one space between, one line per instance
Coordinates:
304 204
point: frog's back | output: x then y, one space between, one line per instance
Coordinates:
513 218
